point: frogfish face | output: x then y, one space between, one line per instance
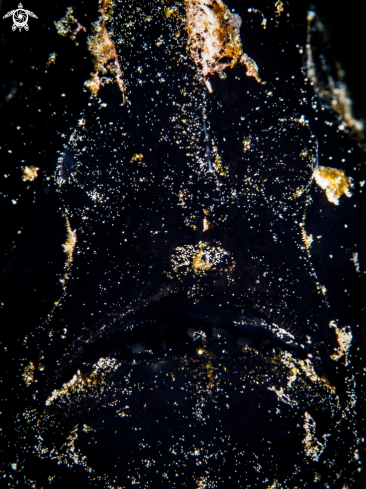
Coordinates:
195 344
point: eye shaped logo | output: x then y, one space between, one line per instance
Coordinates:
20 17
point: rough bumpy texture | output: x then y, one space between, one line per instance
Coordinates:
212 194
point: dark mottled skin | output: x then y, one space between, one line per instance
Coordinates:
207 411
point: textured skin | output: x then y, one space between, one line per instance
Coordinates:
166 248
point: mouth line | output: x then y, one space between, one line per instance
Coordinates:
167 325
172 326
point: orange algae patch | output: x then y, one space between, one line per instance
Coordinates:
344 339
334 182
104 53
214 38
200 262
69 244
68 26
28 374
279 7
306 238
51 59
30 173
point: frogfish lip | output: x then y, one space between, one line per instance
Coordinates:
174 326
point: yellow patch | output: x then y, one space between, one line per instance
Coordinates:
214 38
51 59
334 182
307 238
344 338
70 243
137 158
28 374
246 144
312 446
279 7
200 262
104 53
68 26
30 173
198 258
80 382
